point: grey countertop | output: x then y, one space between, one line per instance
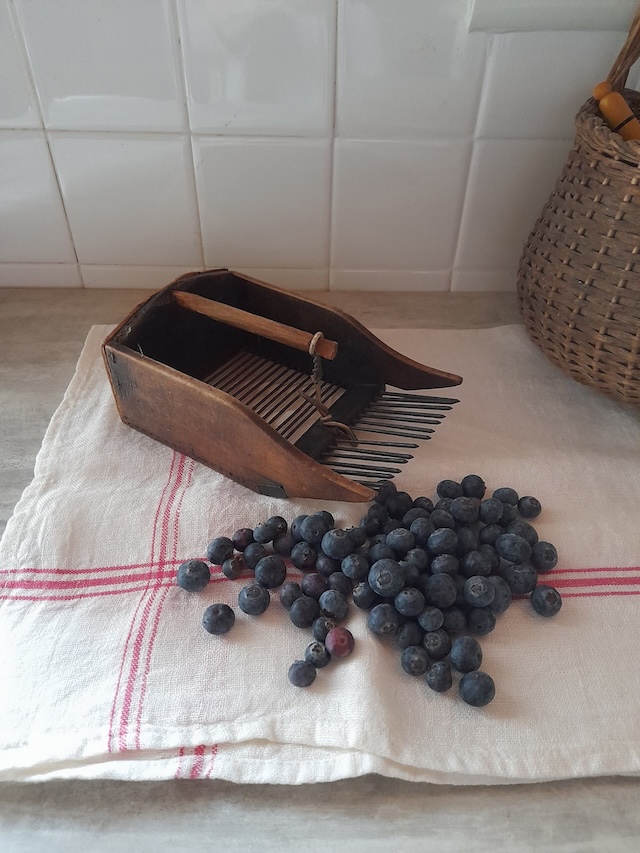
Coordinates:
41 334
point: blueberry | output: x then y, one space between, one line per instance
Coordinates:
401 541
506 496
364 597
314 584
218 619
475 563
477 688
422 528
271 571
234 567
378 539
388 526
409 602
334 605
478 591
442 518
411 574
521 577
337 544
304 611
438 676
313 529
544 556
341 583
431 618
303 556
294 529
423 503
473 486
358 537
443 540
522 528
283 544
316 654
414 660
289 592
253 553
326 566
480 620
464 510
355 566
417 557
502 598
321 627
398 505
339 642
437 644
279 523
546 600
490 533
492 555
513 548
384 491
384 619
302 673
219 550
409 634
467 540
449 489
265 532
490 511
440 590
370 525
446 564
529 507
379 512
509 514
193 575
466 654
253 599
327 517
415 512
455 622
444 504
241 538
386 578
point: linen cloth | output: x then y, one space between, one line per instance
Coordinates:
108 673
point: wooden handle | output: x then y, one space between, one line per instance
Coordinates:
617 112
256 325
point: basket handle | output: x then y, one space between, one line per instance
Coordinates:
628 56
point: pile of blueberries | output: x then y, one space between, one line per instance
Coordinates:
432 576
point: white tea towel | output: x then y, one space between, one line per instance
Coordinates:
107 672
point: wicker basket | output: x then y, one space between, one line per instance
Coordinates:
579 275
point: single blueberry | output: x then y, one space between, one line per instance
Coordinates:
398 505
506 496
380 551
442 518
253 553
289 592
355 566
446 564
431 618
455 622
513 548
379 512
279 523
341 583
334 605
467 539
370 525
509 514
522 528
219 550
234 567
503 596
475 563
302 673
409 634
358 537
490 511
253 599
241 538
303 556
411 573
521 577
383 619
415 660
478 591
328 517
304 611
546 600
271 571
401 541
437 644
464 510
529 507
418 557
415 512
443 540
283 544
337 544
492 555
386 578
440 590
480 620
438 676
449 489
409 602
265 532
384 490
466 654
295 527
314 584
422 528
477 688
364 597
489 534
218 619
326 566
339 642
423 503
313 529
544 556
316 654
321 627
193 575
473 486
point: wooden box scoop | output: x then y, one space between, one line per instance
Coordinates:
281 394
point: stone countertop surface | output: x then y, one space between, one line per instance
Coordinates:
41 334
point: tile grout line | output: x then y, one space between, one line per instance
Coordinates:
22 47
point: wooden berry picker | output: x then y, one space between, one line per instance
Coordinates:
283 395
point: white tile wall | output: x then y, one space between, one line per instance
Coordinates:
344 144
